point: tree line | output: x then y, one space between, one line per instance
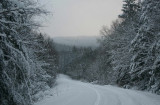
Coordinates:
28 59
129 50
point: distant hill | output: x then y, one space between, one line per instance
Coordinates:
80 41
63 47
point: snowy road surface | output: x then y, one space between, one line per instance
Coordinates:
71 92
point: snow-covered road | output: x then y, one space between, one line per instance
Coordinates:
71 92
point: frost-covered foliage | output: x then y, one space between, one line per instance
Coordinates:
21 72
145 70
44 63
114 57
130 48
130 8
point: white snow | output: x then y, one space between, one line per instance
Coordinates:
71 92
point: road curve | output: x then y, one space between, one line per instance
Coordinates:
71 92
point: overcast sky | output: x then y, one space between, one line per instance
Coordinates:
79 17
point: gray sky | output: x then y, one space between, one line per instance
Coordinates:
79 17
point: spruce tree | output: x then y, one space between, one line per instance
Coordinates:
130 7
145 45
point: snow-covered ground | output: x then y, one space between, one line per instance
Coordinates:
71 92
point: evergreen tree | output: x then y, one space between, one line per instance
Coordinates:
130 9
145 44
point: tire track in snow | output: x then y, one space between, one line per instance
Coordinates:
117 95
98 96
97 102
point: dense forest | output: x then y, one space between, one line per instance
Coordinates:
128 55
78 63
130 48
28 59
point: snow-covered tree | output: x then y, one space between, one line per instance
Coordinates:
20 70
144 65
130 8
